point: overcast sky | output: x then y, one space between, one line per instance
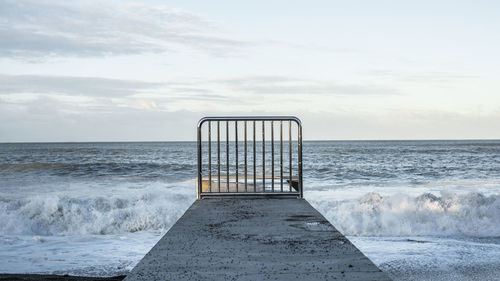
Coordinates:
148 70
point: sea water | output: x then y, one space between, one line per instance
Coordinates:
420 210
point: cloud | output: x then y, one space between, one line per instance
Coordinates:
281 85
30 29
85 109
76 86
46 119
42 97
404 124
92 94
193 89
436 77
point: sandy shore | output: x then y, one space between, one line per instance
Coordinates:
43 277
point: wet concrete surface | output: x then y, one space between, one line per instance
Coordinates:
254 239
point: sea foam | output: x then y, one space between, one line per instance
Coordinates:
157 208
150 208
472 214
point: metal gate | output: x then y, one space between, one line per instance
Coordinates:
249 165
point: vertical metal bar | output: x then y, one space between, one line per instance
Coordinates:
246 170
299 129
254 161
263 157
218 155
227 155
281 155
272 155
209 156
290 152
199 161
236 150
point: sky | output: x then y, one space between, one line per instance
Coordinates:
148 70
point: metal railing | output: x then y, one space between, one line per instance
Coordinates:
249 177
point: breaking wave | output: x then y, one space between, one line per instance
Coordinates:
151 208
157 208
449 214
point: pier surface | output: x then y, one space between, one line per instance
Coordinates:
254 239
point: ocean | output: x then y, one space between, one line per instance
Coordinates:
420 210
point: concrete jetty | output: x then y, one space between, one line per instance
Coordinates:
250 222
254 239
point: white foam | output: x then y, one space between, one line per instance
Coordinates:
155 207
85 255
433 258
448 213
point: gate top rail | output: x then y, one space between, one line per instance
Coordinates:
249 118
236 183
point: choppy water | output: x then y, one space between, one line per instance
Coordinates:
421 210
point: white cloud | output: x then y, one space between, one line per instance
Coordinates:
95 28
87 108
47 119
68 85
195 89
281 85
435 77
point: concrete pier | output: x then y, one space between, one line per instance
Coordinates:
254 239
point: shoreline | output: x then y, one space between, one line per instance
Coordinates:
54 277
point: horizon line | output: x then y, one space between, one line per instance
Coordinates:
308 140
